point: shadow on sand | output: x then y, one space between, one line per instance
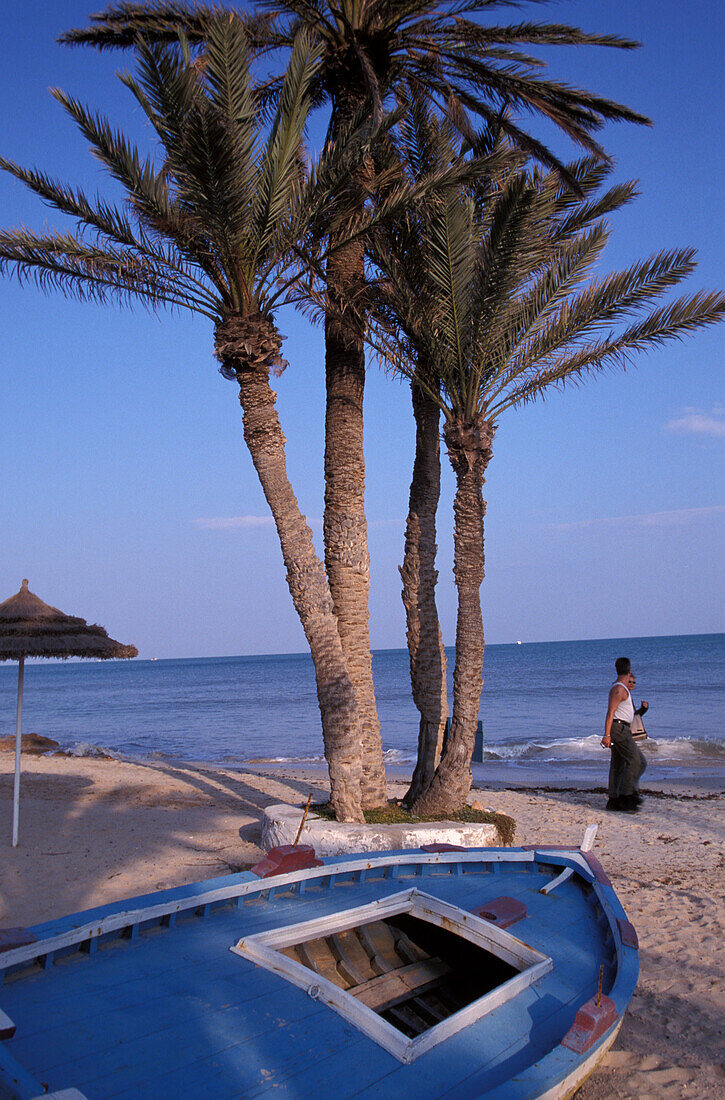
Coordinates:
155 825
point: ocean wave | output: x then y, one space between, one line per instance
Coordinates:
582 750
398 756
674 750
699 747
87 748
564 748
309 759
666 752
390 756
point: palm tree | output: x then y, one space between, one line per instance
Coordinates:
217 227
369 50
425 144
428 665
487 301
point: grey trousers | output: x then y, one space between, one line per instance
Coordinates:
627 764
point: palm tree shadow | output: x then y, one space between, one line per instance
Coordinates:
243 787
82 843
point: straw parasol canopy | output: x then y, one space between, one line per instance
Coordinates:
31 628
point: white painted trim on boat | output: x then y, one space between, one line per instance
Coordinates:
262 948
7 1026
558 881
586 846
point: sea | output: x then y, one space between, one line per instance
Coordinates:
542 708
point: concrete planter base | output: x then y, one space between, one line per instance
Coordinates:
333 838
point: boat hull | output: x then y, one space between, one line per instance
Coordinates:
204 991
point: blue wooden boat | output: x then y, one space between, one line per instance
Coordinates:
499 972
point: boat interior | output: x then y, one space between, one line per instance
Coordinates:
411 972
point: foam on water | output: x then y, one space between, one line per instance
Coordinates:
85 748
676 750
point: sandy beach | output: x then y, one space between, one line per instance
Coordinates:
94 831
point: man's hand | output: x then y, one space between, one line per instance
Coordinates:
606 740
643 706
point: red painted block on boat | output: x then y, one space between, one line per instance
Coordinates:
628 933
502 911
599 873
286 858
442 848
590 1023
15 937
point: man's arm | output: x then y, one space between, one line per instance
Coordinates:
616 694
642 708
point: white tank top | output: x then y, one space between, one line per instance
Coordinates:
625 710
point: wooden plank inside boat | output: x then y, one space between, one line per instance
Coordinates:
398 985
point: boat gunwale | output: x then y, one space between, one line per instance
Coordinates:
114 918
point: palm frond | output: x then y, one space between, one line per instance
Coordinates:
234 101
109 220
529 318
120 26
280 167
89 273
672 322
534 316
148 188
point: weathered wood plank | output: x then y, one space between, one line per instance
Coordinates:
192 942
386 1078
398 985
342 945
405 949
404 1017
323 961
490 1050
379 950
431 1006
246 1054
243 1071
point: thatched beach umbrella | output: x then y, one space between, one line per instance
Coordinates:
30 628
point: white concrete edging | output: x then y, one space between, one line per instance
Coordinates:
335 838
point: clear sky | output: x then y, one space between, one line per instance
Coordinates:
128 496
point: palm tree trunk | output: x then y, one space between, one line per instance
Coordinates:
469 449
305 573
419 575
345 527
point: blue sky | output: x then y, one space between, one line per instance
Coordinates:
128 496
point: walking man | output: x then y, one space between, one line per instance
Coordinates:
628 762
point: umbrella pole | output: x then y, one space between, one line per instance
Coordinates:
18 729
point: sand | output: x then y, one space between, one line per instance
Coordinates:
95 831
